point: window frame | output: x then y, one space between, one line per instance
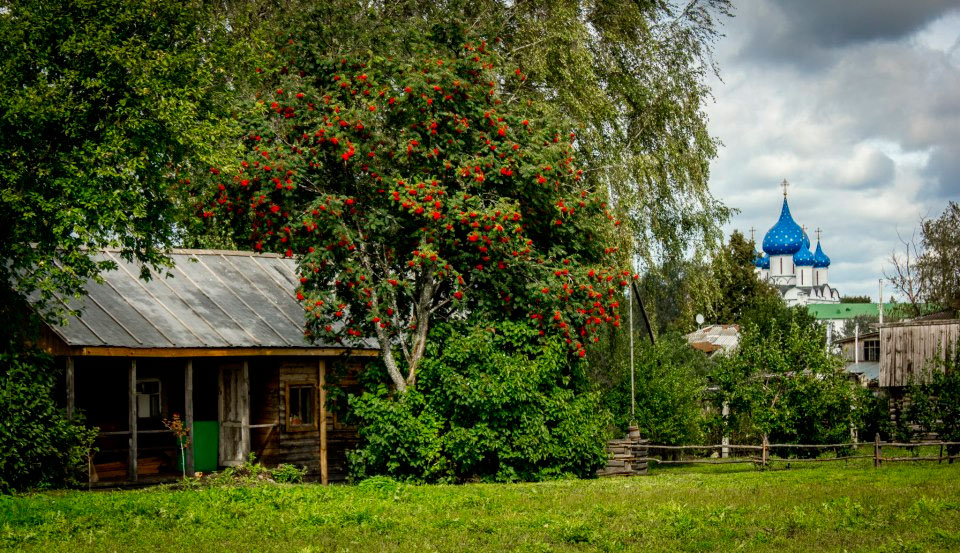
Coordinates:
158 394
871 345
314 402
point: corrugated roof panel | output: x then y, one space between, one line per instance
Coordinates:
221 300
282 269
77 329
266 317
172 293
119 313
270 285
207 297
159 307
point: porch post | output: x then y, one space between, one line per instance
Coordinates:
244 392
324 473
132 419
188 413
71 388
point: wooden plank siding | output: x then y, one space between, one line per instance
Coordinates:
906 349
277 444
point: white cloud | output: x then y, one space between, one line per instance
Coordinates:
861 115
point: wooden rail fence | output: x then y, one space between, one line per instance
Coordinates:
764 459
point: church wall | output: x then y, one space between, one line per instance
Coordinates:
781 265
820 276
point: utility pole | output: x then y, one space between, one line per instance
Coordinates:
856 344
880 281
633 394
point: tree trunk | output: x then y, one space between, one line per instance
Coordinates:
422 318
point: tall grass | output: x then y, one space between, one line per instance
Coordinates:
828 507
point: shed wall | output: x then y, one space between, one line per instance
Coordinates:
906 350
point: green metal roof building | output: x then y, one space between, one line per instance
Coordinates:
833 311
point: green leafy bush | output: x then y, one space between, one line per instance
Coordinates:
288 474
670 382
41 447
873 416
782 383
934 400
493 404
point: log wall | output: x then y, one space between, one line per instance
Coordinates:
280 444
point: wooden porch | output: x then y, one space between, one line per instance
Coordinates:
271 406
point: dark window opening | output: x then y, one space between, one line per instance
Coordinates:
301 407
871 350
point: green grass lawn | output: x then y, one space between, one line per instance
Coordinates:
816 507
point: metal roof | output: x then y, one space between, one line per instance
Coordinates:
870 369
846 310
212 299
715 337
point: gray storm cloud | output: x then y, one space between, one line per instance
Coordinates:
857 104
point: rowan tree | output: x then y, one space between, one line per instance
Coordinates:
409 190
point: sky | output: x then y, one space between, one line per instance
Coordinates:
857 105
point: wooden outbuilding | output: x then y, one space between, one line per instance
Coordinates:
907 348
220 343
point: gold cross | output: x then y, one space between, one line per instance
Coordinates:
752 230
784 184
818 231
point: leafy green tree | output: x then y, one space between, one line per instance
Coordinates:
783 384
670 380
675 290
927 273
939 266
866 323
738 285
411 191
493 402
105 105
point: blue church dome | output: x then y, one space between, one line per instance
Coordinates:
806 240
786 237
820 259
761 261
803 258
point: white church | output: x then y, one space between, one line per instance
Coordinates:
788 263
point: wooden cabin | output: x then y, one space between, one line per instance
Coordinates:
862 355
220 343
907 348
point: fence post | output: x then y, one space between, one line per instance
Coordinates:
940 457
725 440
876 451
764 453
